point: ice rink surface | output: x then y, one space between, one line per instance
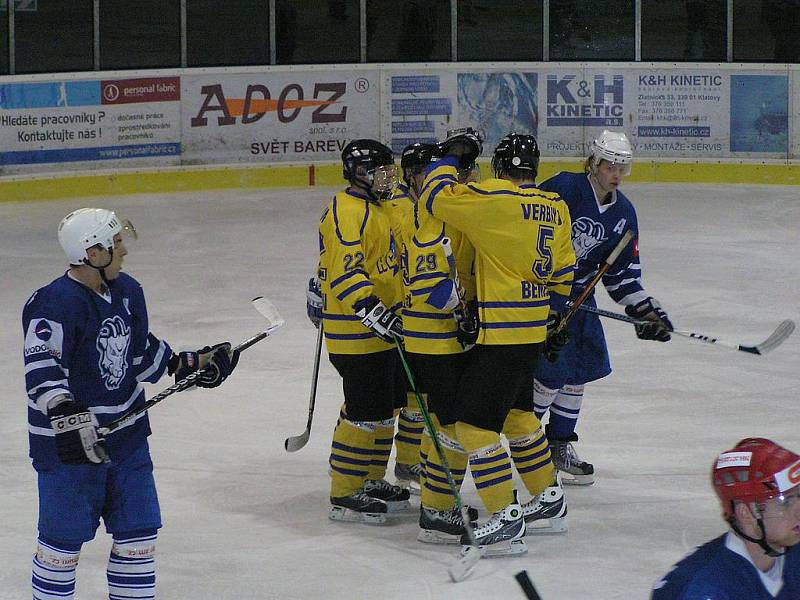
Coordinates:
245 520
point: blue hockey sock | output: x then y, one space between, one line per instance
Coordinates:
564 411
53 571
131 568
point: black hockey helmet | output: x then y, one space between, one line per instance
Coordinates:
415 158
369 165
517 155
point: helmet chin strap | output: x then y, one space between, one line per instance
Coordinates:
762 541
102 269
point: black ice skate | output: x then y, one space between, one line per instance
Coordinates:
574 471
502 534
547 512
443 526
408 476
395 497
358 507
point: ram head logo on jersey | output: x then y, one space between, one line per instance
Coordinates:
586 235
112 344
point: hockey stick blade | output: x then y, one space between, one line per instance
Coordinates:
782 331
465 564
526 584
268 311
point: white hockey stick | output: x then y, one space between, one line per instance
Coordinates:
274 320
776 338
294 443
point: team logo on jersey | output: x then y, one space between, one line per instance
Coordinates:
587 234
44 337
112 344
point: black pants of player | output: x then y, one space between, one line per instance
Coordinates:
370 384
438 375
496 379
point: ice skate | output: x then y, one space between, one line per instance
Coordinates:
358 507
547 512
394 496
408 477
502 534
574 471
443 526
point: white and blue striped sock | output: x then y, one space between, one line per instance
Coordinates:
131 566
53 571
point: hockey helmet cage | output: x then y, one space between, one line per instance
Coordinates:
613 147
87 227
755 470
369 165
415 158
518 152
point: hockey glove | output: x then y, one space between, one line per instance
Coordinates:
468 325
556 340
658 325
77 439
215 363
465 143
384 323
314 302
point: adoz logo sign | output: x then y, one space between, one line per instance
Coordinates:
258 101
577 103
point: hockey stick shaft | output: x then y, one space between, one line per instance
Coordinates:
294 443
465 570
587 291
262 305
782 332
451 264
527 586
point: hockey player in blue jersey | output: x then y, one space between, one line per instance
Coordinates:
758 485
88 349
601 214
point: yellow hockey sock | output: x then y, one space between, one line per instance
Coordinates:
381 449
407 440
351 456
436 492
529 450
490 465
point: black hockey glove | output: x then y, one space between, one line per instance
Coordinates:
555 341
384 323
464 143
314 302
77 439
468 325
215 363
658 326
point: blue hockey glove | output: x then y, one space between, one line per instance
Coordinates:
77 439
215 363
314 302
384 323
555 341
658 326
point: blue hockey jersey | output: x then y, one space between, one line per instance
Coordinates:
596 230
98 351
718 571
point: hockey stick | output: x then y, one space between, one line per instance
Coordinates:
470 556
527 586
461 310
776 338
262 305
575 304
294 443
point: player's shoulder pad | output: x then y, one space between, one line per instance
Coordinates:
350 214
54 299
561 181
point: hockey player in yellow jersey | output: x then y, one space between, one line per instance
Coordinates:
523 272
361 293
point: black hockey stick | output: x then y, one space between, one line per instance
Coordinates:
527 586
776 338
262 305
294 443
471 554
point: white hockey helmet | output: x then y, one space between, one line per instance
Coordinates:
87 227
614 147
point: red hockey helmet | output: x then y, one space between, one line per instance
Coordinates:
755 470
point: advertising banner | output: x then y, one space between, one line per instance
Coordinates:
277 116
74 122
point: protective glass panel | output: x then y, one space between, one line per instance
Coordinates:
690 30
52 36
499 30
766 31
592 30
231 33
311 31
408 30
144 34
